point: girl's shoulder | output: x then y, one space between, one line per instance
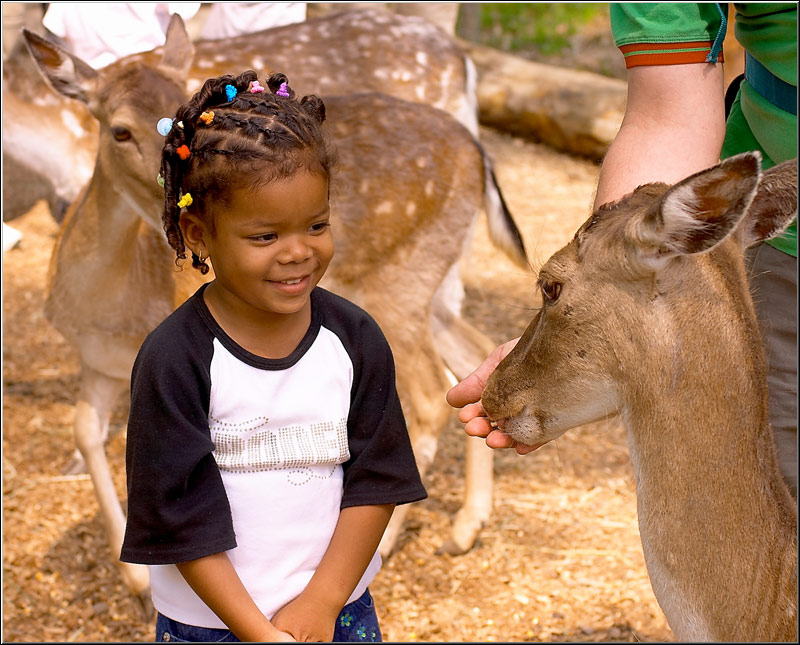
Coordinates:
343 316
358 332
182 335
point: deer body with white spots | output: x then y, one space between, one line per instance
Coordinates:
647 313
354 51
411 182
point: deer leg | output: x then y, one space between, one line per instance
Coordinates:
77 464
421 381
98 394
477 507
463 348
424 452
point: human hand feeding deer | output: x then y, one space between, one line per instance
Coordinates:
264 406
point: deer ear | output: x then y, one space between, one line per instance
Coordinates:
700 211
774 206
178 47
64 72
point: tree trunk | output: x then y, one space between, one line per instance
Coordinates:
574 111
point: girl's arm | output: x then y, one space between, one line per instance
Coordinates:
214 579
312 615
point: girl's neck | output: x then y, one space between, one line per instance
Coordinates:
265 334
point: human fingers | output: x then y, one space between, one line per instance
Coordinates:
471 411
478 427
499 440
470 389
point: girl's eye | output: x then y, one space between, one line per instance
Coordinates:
266 237
550 290
319 227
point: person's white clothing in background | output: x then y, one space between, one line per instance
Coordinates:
228 19
101 32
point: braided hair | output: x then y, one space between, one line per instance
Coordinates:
231 135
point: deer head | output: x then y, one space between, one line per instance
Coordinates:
648 286
125 110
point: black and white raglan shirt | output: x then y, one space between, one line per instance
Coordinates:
229 451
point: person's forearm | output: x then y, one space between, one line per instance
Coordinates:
355 540
674 126
214 579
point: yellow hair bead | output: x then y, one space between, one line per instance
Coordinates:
186 200
207 117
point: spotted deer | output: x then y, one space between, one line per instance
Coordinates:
50 141
647 314
411 181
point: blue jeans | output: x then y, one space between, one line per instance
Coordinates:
357 623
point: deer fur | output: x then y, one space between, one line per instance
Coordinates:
647 314
50 141
411 182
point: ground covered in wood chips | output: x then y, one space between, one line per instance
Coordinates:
560 559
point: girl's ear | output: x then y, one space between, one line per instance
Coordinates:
195 233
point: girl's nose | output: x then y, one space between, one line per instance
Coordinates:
296 250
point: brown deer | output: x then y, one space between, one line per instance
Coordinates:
336 53
647 314
411 182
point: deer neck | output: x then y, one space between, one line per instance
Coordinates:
113 264
708 486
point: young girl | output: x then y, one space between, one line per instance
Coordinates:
266 443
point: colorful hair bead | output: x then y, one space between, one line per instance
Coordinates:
207 117
180 124
255 87
185 201
160 180
183 152
230 92
164 126
282 90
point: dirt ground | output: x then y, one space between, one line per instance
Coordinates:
560 559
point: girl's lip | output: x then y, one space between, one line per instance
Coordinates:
290 280
292 285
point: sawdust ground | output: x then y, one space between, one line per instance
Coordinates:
560 559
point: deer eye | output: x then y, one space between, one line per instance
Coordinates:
551 290
120 134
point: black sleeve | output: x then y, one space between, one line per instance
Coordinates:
382 468
177 506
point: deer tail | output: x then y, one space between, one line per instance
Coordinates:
503 230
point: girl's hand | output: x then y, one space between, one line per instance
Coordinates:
307 618
279 637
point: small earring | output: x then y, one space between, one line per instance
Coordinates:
200 257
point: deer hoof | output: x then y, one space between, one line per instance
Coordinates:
451 547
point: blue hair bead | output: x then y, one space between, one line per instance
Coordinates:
164 126
230 92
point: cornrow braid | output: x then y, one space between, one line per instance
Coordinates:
229 136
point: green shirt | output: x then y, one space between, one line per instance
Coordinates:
670 33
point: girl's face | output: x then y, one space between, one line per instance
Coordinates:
271 247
